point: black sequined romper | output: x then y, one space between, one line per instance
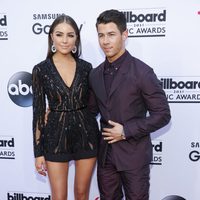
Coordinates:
71 131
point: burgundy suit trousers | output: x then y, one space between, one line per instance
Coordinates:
134 184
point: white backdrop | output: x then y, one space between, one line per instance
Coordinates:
164 34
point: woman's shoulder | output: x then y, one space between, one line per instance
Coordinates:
41 65
86 65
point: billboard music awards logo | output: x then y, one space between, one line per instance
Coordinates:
181 89
20 89
157 152
146 22
43 21
194 154
27 196
7 147
3 27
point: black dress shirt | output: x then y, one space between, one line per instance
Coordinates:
110 70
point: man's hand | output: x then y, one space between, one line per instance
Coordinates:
114 134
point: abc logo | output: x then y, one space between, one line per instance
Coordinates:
173 197
20 89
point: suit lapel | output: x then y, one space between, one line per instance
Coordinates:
99 85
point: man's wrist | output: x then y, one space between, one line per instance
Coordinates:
123 135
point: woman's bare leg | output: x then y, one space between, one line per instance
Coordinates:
83 173
58 176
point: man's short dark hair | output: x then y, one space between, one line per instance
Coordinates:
113 16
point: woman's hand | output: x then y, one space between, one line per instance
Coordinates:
40 165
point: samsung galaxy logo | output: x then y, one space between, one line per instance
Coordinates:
43 23
194 154
45 16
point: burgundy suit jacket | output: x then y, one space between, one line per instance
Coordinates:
138 102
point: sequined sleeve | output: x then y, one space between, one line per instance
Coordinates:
39 107
92 102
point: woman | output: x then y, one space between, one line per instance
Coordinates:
70 131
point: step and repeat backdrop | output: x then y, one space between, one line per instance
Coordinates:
162 33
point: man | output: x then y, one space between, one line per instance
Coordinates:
125 89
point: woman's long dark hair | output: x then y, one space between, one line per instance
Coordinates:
69 20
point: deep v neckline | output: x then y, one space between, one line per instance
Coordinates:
60 77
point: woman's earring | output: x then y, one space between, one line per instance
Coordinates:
74 49
53 48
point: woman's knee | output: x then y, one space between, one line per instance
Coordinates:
59 196
81 193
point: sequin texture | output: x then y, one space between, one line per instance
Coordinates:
71 131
